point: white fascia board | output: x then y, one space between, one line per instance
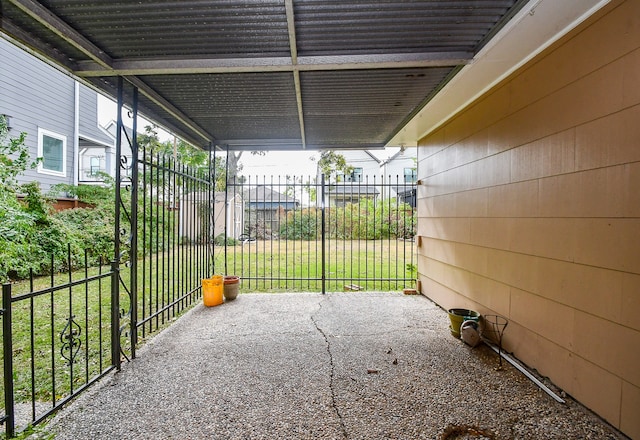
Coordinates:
539 24
94 140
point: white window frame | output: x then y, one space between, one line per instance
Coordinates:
92 172
41 169
413 176
356 175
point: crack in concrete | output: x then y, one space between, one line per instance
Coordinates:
332 365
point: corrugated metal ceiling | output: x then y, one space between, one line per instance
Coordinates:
281 74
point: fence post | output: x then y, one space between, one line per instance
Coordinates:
322 228
133 251
115 315
7 345
115 268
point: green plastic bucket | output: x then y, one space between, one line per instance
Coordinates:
458 316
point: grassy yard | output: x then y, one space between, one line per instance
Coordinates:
277 266
42 328
50 329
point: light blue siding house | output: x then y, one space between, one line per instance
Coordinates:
59 115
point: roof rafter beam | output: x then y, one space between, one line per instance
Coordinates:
274 64
261 144
170 108
56 25
291 27
34 46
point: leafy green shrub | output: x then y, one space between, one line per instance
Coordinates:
304 224
366 220
17 222
369 220
16 227
35 203
94 195
219 240
87 228
31 233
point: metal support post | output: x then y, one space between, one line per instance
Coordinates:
323 253
7 344
115 264
118 172
133 252
115 315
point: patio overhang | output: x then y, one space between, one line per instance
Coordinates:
289 75
535 27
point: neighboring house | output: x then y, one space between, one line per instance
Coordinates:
266 208
361 183
366 167
400 173
401 167
226 211
112 129
59 116
96 154
341 194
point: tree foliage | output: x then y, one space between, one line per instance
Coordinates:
14 158
180 150
365 220
20 223
331 164
182 153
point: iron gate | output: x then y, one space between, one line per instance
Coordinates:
313 234
163 247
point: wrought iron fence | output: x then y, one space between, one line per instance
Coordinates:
56 339
277 234
164 223
310 234
174 239
64 332
62 336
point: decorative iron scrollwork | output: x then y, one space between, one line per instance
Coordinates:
126 249
70 339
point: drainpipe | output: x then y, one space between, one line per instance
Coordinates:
76 133
228 225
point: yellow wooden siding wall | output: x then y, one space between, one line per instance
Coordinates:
529 207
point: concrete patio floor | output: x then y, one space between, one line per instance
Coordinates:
335 366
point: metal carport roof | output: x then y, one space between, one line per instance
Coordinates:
260 74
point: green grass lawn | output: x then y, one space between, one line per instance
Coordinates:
40 323
43 327
278 266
